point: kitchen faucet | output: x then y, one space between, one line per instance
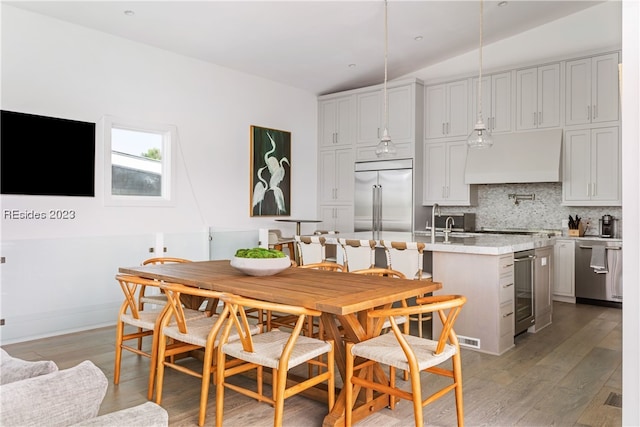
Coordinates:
448 226
433 221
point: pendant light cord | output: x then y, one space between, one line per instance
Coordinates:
386 49
480 73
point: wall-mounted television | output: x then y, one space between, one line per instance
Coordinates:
46 156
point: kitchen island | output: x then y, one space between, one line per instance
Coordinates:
481 267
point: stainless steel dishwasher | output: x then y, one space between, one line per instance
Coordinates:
599 288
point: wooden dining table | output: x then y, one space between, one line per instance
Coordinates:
342 296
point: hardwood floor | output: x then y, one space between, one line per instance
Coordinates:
563 375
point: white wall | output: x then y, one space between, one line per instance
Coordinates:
631 210
59 275
54 68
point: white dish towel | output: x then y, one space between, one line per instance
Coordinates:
599 259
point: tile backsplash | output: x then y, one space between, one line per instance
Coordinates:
496 210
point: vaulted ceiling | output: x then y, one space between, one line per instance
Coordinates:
318 46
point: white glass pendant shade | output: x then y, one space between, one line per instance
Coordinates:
480 137
385 147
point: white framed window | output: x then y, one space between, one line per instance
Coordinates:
139 162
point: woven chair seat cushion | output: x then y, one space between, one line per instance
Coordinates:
399 321
386 349
147 318
154 299
268 348
198 331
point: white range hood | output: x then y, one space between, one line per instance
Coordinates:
517 158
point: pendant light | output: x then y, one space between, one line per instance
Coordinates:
480 137
385 147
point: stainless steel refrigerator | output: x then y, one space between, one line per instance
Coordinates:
383 199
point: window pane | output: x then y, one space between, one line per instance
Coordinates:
136 163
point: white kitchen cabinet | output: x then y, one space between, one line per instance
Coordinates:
538 97
592 172
591 90
335 178
370 115
496 102
337 218
564 271
542 304
444 164
447 110
336 121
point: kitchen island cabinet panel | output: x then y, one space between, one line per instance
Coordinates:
486 321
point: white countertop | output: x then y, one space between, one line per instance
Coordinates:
483 244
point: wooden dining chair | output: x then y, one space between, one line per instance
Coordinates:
358 254
180 334
146 323
408 352
400 320
277 241
275 349
408 257
157 298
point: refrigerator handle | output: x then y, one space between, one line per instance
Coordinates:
376 204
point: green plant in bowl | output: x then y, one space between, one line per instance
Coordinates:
260 253
260 261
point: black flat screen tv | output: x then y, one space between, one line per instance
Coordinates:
46 156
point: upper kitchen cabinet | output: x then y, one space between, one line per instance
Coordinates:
336 121
402 108
591 86
444 164
447 110
496 102
538 97
335 178
591 173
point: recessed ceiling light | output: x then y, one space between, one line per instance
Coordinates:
129 12
502 4
417 38
352 65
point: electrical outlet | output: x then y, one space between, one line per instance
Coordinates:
1 322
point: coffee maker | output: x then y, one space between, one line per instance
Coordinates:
607 226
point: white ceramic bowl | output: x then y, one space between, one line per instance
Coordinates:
261 266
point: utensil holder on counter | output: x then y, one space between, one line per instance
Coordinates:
577 232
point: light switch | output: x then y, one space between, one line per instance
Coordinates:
544 261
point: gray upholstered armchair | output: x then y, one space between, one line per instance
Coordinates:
37 394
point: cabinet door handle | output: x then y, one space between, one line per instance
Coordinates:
508 314
335 137
506 286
